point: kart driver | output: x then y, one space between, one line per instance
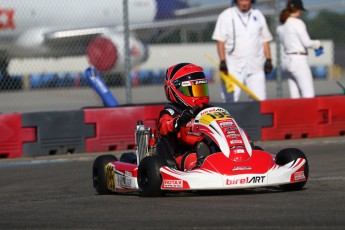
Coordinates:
186 88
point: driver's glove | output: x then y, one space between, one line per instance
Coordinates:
182 120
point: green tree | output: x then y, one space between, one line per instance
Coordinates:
327 25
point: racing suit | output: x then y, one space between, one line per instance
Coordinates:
172 141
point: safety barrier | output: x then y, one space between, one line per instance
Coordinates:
58 132
115 126
332 111
12 135
292 119
107 129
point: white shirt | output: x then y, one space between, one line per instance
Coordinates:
294 36
243 35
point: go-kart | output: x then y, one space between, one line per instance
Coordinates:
236 163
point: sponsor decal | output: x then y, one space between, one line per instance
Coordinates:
242 168
127 173
194 134
228 123
186 83
230 128
245 180
213 110
173 183
207 111
7 19
110 176
231 132
197 82
236 142
299 175
222 110
123 181
239 151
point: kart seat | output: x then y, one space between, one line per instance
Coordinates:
165 150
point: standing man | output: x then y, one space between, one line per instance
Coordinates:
243 38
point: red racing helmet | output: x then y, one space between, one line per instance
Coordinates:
186 84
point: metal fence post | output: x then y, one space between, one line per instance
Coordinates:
278 53
127 53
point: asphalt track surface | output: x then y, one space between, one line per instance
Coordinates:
56 193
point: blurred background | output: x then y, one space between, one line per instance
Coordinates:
46 46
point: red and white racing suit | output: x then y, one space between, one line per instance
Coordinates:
180 139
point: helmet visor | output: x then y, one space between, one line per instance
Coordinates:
193 88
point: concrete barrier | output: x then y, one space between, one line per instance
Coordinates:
13 135
115 126
108 129
58 132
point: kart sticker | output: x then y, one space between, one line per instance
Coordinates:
123 181
242 168
110 176
210 114
172 183
236 142
239 151
231 132
207 118
225 124
245 180
299 175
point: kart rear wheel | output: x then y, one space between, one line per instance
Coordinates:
291 154
149 176
99 174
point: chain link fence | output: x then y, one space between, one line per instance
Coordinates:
43 56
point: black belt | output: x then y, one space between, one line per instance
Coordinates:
298 53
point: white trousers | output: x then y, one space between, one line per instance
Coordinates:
300 78
256 83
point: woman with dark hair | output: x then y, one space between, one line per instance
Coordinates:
296 42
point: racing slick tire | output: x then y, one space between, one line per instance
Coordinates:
129 157
149 176
99 173
285 156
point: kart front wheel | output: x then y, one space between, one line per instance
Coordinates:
99 173
149 176
291 154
